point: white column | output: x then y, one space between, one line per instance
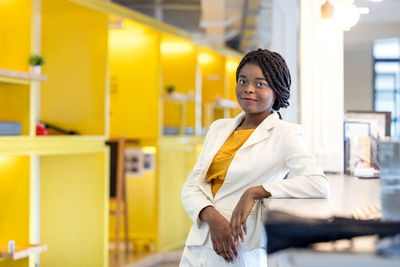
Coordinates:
285 41
321 86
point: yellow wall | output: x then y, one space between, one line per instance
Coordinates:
14 104
73 197
14 210
134 74
178 59
176 160
212 67
15 32
231 65
74 44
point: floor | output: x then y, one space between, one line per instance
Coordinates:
165 259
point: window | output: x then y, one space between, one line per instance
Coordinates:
386 54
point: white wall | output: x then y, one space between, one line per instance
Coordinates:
358 79
358 63
285 41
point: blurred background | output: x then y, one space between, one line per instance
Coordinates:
104 106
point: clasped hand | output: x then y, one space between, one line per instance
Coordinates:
225 235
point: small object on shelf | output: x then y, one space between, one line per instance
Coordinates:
59 129
35 69
10 128
170 88
170 130
11 246
35 63
20 252
41 129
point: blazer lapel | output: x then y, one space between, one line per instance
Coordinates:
222 134
261 132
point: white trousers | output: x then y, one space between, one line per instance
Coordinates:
202 256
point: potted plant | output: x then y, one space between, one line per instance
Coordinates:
35 63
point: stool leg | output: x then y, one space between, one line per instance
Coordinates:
126 219
120 187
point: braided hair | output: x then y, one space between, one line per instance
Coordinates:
276 72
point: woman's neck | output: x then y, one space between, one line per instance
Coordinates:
251 121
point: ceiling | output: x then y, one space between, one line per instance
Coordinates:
234 23
237 23
380 12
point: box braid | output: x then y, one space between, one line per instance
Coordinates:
276 72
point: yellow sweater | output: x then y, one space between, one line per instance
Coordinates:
220 164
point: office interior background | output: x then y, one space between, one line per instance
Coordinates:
96 144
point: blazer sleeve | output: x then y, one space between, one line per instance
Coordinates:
306 178
193 199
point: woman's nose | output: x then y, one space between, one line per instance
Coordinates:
249 89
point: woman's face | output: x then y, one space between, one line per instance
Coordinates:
253 93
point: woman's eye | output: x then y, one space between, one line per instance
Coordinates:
242 82
260 84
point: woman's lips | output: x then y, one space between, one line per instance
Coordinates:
249 99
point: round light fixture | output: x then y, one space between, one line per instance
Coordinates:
346 14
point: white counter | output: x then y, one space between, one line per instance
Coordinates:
346 194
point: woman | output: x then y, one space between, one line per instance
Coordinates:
243 161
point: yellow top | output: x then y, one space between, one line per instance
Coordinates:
220 164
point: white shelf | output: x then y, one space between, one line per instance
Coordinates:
20 77
21 251
225 103
178 97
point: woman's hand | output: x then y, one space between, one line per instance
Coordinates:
220 233
242 210
239 216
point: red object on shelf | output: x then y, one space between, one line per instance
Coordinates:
41 130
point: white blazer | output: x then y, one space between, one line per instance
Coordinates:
274 148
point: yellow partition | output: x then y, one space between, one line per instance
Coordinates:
74 44
178 60
15 32
142 207
14 104
231 65
14 210
74 209
176 158
212 66
134 77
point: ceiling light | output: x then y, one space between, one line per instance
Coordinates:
346 14
327 10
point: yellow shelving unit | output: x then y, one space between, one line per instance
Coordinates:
54 189
178 71
107 73
147 59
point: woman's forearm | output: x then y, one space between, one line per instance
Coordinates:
258 192
206 213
